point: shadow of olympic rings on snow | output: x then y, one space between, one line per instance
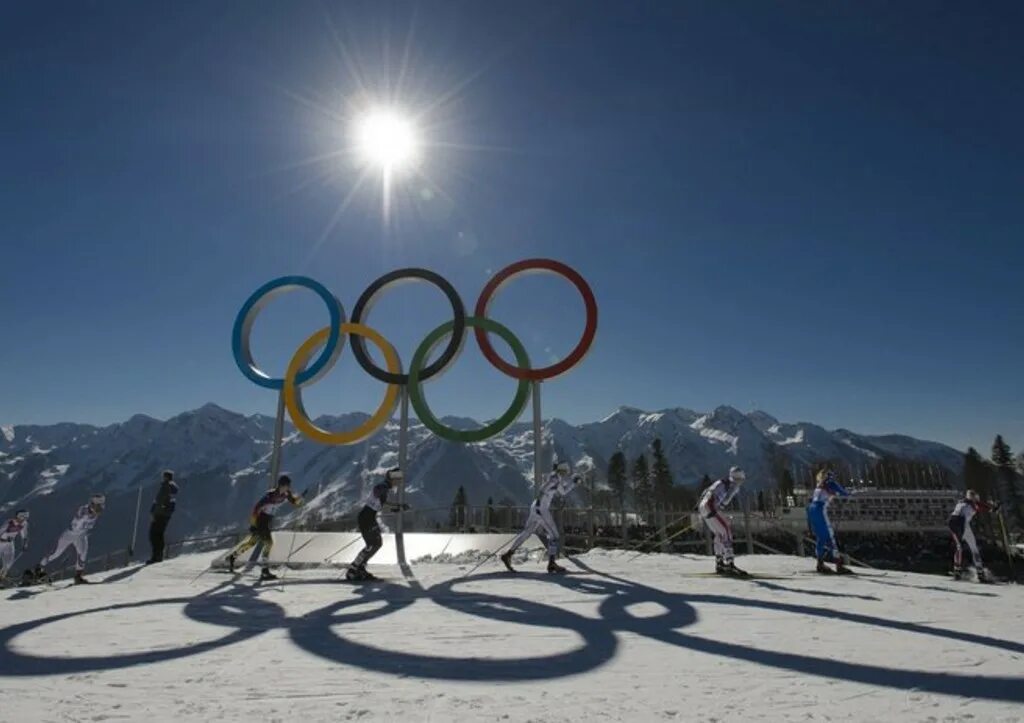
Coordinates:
323 632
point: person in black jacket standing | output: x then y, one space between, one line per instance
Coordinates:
160 515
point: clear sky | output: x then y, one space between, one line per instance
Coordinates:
811 208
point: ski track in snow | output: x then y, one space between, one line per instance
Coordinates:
615 640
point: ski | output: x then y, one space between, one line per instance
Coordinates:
849 573
748 576
369 580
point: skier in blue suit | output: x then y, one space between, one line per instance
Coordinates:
817 516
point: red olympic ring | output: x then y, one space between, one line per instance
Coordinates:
503 277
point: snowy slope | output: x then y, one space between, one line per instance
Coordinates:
647 640
222 461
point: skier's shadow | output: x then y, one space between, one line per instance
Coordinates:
124 574
931 587
816 593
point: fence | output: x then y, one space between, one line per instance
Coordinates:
657 529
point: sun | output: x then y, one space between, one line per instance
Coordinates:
386 139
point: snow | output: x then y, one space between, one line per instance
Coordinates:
797 438
57 470
849 443
50 478
7 430
716 435
651 639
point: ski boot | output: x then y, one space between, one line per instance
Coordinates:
823 568
984 576
355 572
231 562
720 567
958 573
734 571
554 567
842 569
266 574
506 558
79 579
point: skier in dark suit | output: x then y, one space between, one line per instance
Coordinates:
160 515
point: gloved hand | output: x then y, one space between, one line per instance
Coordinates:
576 479
252 529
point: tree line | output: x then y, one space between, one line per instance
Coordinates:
645 482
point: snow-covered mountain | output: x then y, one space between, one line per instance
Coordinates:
221 459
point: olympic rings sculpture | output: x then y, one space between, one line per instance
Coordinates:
317 354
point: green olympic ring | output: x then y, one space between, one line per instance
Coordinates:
419 402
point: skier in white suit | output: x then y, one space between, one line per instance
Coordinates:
76 536
540 520
17 525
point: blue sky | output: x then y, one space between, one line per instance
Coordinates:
814 209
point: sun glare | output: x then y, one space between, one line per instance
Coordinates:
386 139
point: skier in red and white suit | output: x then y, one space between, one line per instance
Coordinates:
960 528
714 499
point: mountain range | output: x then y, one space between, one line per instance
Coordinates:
221 461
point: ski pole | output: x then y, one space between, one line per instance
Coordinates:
1006 546
654 534
284 571
343 548
673 536
492 554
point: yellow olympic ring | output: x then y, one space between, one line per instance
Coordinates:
293 393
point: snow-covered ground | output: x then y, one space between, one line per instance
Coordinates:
653 639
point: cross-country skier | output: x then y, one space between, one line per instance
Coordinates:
76 536
369 525
17 525
160 514
817 517
259 525
540 520
714 499
960 527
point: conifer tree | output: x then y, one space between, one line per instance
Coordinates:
1006 480
641 478
457 516
661 475
617 478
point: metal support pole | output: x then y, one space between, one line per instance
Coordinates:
591 529
745 499
135 527
275 456
403 449
538 440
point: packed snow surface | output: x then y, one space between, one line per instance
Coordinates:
650 639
